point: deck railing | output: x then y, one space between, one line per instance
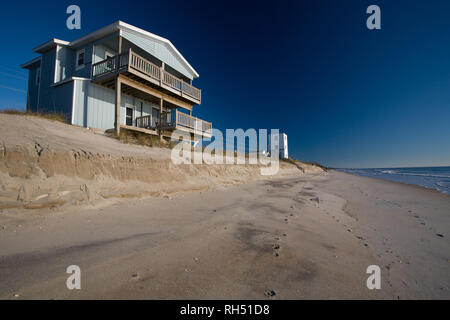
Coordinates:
132 60
178 119
144 66
144 122
110 65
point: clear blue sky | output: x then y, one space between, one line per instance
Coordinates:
346 96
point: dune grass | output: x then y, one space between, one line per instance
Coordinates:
50 116
140 138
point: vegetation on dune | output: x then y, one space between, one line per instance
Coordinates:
297 162
50 116
140 138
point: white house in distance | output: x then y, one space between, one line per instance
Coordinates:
281 145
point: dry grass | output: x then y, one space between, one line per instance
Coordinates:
295 162
140 138
49 116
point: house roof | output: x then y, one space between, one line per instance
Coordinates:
31 63
114 27
50 44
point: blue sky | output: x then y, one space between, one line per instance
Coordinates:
346 96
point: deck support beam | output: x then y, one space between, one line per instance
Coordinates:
161 103
155 93
117 110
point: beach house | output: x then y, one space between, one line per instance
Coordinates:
117 77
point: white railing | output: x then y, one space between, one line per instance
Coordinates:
178 119
144 122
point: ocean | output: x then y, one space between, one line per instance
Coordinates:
437 178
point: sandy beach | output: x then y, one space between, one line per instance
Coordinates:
140 227
302 237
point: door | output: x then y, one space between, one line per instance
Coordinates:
129 116
110 63
155 117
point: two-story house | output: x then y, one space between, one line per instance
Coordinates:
117 77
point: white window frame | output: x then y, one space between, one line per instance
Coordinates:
81 66
38 75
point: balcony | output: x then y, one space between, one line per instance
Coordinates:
175 120
130 63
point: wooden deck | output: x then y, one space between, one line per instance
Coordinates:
144 71
173 120
181 121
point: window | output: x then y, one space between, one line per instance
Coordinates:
80 59
38 76
129 116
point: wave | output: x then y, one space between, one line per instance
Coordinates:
415 174
389 171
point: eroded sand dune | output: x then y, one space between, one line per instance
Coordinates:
46 164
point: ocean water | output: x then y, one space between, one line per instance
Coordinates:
437 178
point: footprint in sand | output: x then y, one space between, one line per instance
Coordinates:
270 293
276 248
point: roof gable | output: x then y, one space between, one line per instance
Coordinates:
162 50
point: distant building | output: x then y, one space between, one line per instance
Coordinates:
280 144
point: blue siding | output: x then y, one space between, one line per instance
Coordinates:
159 50
46 103
33 88
62 96
84 72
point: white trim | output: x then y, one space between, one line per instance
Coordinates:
57 63
133 117
92 59
50 44
67 80
81 66
73 98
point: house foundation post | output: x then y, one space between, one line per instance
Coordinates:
118 87
117 110
161 103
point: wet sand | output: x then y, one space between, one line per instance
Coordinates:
298 237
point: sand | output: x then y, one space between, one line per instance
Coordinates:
231 234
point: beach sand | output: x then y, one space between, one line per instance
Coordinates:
141 227
297 237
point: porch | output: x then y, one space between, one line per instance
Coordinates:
172 120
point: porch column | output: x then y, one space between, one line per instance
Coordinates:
161 71
117 112
161 102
